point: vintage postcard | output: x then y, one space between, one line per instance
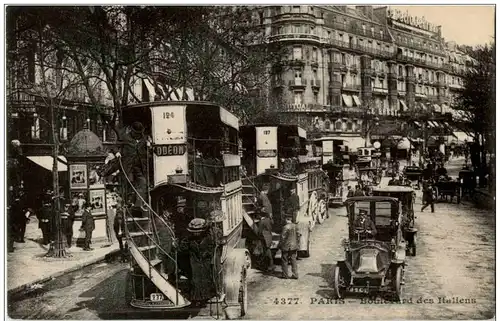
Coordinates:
269 162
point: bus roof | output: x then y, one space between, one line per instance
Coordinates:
300 131
394 189
225 116
335 139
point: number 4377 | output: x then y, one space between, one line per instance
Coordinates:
286 301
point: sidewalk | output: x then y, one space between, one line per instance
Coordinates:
27 265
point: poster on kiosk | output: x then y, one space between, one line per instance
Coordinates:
267 148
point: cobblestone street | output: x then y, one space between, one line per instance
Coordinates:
455 260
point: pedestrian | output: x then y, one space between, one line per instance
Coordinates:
429 196
134 159
20 216
350 192
289 246
265 228
10 220
264 202
67 220
292 205
45 219
358 191
119 227
88 226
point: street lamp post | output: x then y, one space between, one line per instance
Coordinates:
370 123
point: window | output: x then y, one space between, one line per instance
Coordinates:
315 74
35 128
400 71
373 31
343 59
338 125
297 53
298 74
261 17
349 126
381 34
298 97
364 29
315 55
296 9
316 97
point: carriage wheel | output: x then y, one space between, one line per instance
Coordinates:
321 210
313 202
339 283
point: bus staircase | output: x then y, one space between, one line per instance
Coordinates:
251 208
146 237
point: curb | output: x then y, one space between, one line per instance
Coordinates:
80 266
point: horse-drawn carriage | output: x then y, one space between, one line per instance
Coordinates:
406 196
185 243
448 187
374 260
332 163
414 175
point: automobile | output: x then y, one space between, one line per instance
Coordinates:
374 261
406 195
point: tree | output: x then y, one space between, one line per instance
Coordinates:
476 103
32 48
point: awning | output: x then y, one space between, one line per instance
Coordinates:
354 142
430 124
347 100
404 144
47 162
437 108
302 132
405 108
356 100
437 124
417 123
228 118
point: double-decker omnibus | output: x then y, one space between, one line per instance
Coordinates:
193 165
276 154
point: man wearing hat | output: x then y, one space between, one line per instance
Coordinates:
289 245
134 158
292 205
200 247
363 222
88 225
45 219
67 220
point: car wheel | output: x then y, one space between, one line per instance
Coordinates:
397 284
339 284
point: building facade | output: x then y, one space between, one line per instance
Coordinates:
346 66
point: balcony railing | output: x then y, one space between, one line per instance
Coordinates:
353 68
305 108
419 61
351 87
360 48
315 83
380 90
296 62
294 36
291 16
297 83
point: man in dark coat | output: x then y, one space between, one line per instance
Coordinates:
46 218
67 220
358 191
265 233
264 202
88 226
10 220
289 245
363 222
428 196
292 205
133 154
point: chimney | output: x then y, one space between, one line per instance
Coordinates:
366 10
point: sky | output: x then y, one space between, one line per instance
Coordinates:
467 25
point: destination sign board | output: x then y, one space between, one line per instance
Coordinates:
170 150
